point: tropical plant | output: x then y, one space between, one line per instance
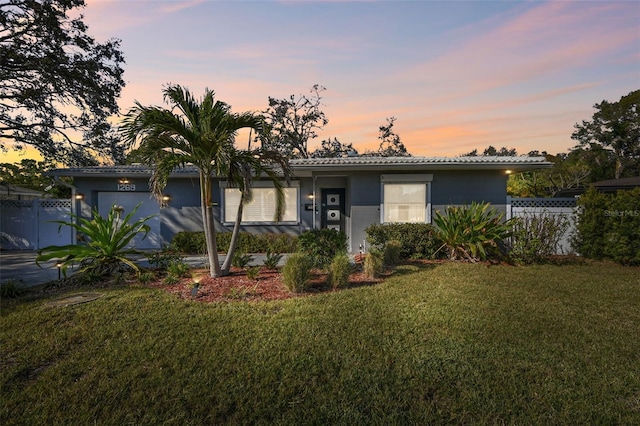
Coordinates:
108 243
203 133
272 260
241 260
472 232
253 272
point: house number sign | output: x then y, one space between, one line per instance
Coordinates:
126 187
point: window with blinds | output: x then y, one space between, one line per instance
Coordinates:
405 202
262 207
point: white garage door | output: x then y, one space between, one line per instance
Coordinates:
129 200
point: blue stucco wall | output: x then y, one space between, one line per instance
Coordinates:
362 196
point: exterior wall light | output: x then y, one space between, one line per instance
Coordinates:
79 196
123 180
311 196
508 172
166 198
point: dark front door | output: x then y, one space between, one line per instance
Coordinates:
332 211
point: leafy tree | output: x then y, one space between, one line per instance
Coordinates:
29 173
293 122
202 133
58 86
614 127
332 148
390 143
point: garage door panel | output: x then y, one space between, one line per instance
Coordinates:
148 207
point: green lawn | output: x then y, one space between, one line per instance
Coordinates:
454 343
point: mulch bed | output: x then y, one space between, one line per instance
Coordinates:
237 286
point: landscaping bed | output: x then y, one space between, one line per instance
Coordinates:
238 286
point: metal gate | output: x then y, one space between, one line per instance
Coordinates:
27 224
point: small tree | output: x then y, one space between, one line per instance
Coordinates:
202 133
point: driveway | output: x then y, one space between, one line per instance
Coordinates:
20 266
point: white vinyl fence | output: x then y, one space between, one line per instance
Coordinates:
26 224
566 207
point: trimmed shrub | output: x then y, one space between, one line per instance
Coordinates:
195 243
373 264
296 273
392 252
189 242
536 237
608 226
418 239
339 271
322 245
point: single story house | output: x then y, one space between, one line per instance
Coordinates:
346 194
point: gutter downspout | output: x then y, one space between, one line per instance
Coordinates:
314 201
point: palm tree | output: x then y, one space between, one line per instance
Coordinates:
201 133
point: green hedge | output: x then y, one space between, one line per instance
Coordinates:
418 239
322 245
608 226
195 243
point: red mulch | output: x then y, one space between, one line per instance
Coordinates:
237 286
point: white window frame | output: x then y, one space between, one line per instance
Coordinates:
406 179
257 186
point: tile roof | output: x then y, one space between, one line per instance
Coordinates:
341 163
415 160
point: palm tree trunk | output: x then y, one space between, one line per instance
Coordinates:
208 224
226 266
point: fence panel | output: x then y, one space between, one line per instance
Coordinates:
26 224
566 207
18 225
49 233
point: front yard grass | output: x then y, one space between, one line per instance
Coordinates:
452 343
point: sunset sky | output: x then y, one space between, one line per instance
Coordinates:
457 75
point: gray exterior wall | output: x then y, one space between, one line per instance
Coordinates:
183 212
363 193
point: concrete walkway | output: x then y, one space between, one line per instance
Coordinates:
20 267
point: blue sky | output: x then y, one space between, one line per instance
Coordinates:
457 75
